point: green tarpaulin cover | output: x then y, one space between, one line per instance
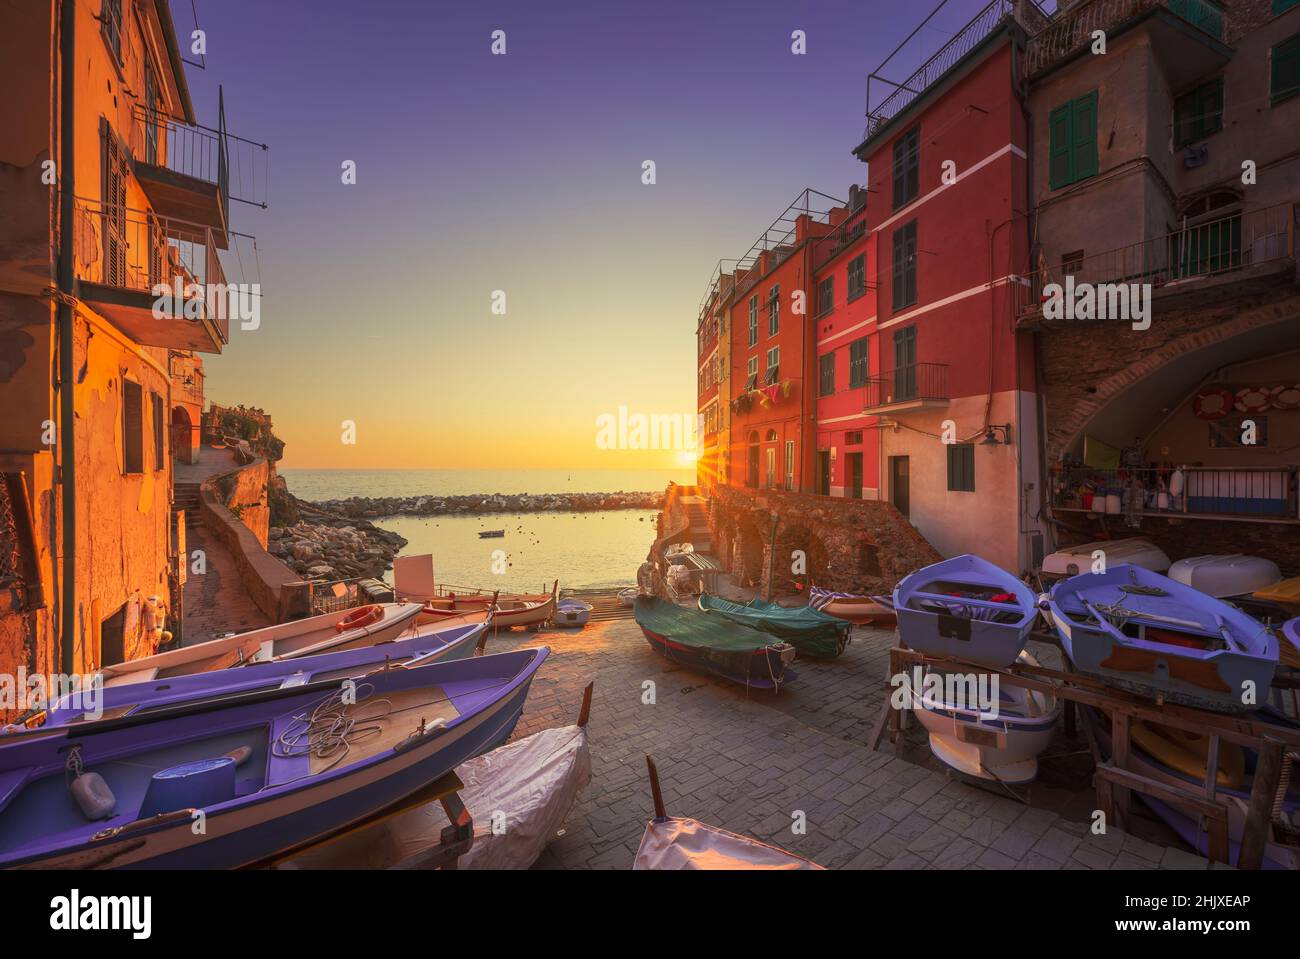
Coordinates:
720 645
810 631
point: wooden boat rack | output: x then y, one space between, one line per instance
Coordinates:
1275 744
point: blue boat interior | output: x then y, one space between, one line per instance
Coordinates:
951 597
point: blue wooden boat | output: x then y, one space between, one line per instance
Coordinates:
242 779
437 642
810 631
967 608
701 640
1148 634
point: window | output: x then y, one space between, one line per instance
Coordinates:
905 266
789 464
1072 262
857 276
751 379
771 468
905 363
159 436
111 25
774 311
1285 72
1281 6
150 105
853 438
907 166
1198 113
753 319
115 172
826 379
132 427
1072 148
961 467
826 296
773 366
858 363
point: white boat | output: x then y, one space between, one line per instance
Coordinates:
1001 744
628 596
1135 551
362 626
1221 576
571 612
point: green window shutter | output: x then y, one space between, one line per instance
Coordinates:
1085 136
1184 117
1280 6
1060 155
1286 68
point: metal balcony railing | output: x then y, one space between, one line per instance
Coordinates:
1223 245
1225 492
916 382
1072 31
966 39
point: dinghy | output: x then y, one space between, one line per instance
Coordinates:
1285 594
858 610
996 744
440 642
532 611
704 641
330 632
572 612
1136 551
531 784
967 608
810 632
1147 634
1227 575
627 597
264 773
672 842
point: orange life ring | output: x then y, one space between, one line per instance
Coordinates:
1286 397
1213 403
361 616
1253 399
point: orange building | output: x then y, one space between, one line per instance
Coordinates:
109 188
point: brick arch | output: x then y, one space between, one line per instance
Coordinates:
1207 329
802 537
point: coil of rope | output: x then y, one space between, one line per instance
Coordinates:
331 728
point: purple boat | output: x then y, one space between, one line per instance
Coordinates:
242 779
436 642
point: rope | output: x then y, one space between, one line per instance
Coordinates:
332 727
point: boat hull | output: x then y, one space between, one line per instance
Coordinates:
769 667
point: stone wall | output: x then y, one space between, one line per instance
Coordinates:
857 546
245 492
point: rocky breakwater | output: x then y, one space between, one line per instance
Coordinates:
378 506
326 549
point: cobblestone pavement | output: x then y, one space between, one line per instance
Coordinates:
216 602
748 762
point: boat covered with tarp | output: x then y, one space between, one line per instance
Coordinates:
810 631
704 641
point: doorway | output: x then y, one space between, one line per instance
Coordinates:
751 473
824 472
853 464
899 480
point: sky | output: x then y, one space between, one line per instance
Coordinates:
520 173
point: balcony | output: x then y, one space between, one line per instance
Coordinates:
908 389
123 254
1262 495
1234 255
1187 35
186 171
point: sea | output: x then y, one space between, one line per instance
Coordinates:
596 550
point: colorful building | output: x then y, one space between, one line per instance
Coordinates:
109 188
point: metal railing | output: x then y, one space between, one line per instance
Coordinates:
1232 492
1071 31
966 39
905 384
1223 245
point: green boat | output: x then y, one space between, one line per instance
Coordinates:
705 641
810 631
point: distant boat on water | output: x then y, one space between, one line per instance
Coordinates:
491 533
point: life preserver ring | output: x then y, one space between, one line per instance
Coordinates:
1213 403
1286 397
361 616
1252 399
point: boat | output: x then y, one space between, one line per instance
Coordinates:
1146 633
809 631
329 632
491 533
1136 551
263 773
519 795
572 612
701 640
858 610
440 642
627 597
1285 594
413 581
531 611
673 842
1178 758
999 744
967 608
1227 575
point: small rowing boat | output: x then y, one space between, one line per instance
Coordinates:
508 611
701 640
809 631
1222 576
491 533
858 610
967 608
329 632
572 612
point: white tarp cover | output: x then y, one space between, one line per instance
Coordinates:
686 844
528 785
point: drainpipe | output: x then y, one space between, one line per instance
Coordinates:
67 326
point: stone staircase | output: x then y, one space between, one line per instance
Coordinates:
696 509
185 496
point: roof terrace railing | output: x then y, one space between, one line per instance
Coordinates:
1071 31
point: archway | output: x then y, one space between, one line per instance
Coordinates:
182 435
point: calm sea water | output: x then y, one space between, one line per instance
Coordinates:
581 550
